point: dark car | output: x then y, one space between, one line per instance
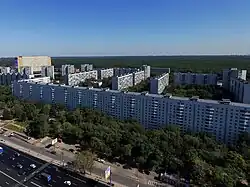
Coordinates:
21 172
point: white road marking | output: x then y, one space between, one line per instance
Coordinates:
13 179
7 183
35 184
59 177
7 169
54 181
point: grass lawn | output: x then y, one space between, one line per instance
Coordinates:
15 127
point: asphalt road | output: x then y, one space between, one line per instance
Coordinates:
117 177
10 174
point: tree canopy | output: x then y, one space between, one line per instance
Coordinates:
196 157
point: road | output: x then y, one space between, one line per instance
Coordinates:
14 176
120 175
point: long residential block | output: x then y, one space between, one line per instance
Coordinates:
105 73
138 77
195 78
122 82
224 119
76 78
158 84
67 69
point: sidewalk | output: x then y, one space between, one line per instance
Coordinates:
56 162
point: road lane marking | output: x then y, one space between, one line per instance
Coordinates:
7 183
59 177
35 184
13 179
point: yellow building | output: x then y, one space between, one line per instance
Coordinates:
35 62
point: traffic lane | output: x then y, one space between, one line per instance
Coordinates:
23 156
5 180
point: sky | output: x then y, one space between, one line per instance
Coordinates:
124 27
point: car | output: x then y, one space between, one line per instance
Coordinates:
68 183
19 166
33 166
12 158
21 172
101 160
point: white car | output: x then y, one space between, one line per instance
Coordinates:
101 161
67 182
33 166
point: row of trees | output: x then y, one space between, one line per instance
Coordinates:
203 91
196 157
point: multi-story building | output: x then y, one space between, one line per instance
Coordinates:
240 89
5 69
8 78
146 70
67 69
223 119
122 82
105 73
232 73
158 84
195 78
122 71
42 80
28 70
75 79
48 71
35 62
86 67
138 77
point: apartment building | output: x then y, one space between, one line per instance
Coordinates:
122 82
147 71
122 71
28 70
240 89
223 119
158 84
48 71
195 78
75 79
138 77
41 80
232 73
67 69
105 73
5 70
8 78
86 67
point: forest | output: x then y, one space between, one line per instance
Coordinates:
197 157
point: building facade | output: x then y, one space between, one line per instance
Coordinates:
158 84
48 71
105 73
75 79
67 69
86 67
122 71
138 77
8 78
195 78
28 70
5 70
122 82
232 73
35 62
240 89
223 119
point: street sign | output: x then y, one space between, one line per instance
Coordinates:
107 173
1 150
53 142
